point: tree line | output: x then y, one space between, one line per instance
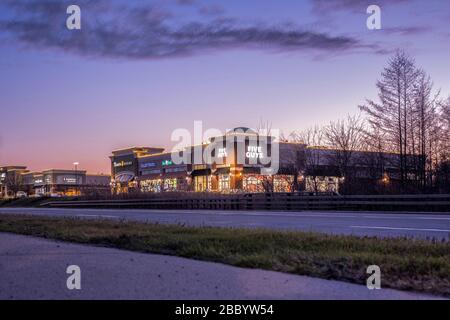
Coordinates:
404 133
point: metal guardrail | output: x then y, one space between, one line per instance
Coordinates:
276 201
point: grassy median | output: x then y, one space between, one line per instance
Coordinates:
405 264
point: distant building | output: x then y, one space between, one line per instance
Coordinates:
50 182
10 180
300 167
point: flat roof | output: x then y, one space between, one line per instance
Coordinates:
137 148
63 171
13 167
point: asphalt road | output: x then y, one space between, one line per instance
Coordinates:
416 225
33 268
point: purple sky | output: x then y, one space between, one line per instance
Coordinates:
140 69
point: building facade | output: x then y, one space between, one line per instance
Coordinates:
10 180
52 182
58 182
243 161
235 162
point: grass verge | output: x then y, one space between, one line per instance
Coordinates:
405 264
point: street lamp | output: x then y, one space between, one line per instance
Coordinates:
76 176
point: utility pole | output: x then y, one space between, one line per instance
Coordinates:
76 177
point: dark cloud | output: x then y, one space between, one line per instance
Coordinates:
326 6
146 32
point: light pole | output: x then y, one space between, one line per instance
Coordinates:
76 176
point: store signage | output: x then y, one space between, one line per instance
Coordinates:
222 152
38 181
254 152
167 162
70 180
148 165
122 164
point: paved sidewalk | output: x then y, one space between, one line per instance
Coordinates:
33 268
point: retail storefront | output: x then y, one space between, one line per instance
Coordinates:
53 182
240 161
11 180
125 168
234 162
158 173
56 182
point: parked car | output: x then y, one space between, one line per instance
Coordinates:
21 194
37 195
55 195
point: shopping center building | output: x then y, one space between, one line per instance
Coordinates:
64 182
242 161
10 179
52 182
239 161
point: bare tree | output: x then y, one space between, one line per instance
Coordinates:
425 129
444 117
311 159
13 182
392 115
264 127
442 172
345 137
268 183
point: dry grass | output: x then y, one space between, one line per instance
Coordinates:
406 264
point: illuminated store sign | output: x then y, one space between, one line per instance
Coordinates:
38 181
222 152
254 152
148 165
70 180
167 163
122 164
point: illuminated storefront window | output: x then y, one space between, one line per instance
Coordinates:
151 185
224 182
170 184
322 184
72 192
282 183
252 183
40 190
202 183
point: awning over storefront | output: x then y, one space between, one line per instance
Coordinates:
173 175
124 177
252 170
222 171
202 172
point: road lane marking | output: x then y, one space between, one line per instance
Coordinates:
124 214
404 217
398 228
96 215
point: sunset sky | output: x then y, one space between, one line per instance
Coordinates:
137 70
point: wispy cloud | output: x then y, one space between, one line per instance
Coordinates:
212 9
407 31
186 2
146 32
326 6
